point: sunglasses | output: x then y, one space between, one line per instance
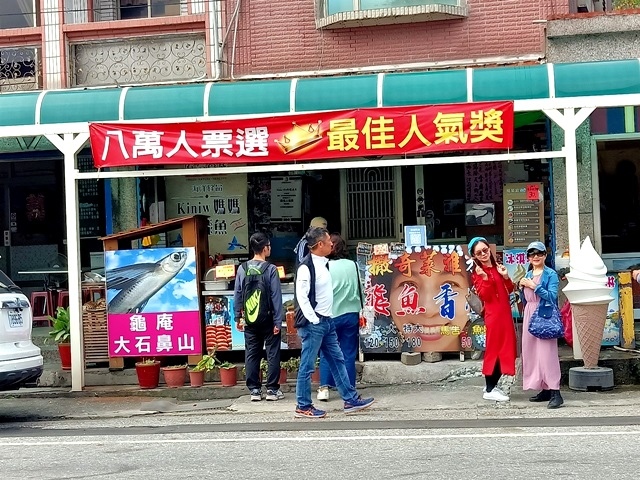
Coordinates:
536 254
484 251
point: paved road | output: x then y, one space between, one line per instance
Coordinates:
509 453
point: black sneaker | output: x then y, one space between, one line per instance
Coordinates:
256 395
274 395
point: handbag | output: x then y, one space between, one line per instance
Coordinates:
474 302
545 323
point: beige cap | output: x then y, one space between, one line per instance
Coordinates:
318 222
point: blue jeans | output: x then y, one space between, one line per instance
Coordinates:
348 331
315 339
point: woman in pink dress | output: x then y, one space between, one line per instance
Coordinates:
540 362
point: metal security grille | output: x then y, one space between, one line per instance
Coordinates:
371 203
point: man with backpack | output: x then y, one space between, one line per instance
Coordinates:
259 312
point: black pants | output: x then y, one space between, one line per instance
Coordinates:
493 379
256 339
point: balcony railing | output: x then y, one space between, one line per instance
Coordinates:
144 60
20 69
353 13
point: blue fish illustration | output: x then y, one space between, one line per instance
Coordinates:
234 244
139 282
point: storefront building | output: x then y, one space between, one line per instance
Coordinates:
563 95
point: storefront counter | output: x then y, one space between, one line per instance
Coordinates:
221 330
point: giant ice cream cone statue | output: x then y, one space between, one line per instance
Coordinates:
589 296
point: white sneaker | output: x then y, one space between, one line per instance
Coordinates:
323 394
495 395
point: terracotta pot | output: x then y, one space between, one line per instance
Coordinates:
315 376
64 349
196 378
148 374
283 376
229 376
175 377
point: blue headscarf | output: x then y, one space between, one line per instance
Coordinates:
474 241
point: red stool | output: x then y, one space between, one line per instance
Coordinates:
63 299
42 307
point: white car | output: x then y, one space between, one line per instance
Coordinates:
20 360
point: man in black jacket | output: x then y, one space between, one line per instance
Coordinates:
314 302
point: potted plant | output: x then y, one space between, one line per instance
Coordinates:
283 373
206 364
175 375
60 333
148 371
315 376
228 374
291 365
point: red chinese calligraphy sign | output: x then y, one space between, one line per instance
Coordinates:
307 137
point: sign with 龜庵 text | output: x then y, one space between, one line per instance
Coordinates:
152 302
308 136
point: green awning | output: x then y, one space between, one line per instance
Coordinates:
319 93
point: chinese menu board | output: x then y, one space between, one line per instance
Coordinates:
307 136
223 198
483 181
152 302
415 298
523 214
89 201
286 199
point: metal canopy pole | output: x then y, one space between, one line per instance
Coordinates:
70 145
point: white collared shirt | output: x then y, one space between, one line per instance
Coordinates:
324 289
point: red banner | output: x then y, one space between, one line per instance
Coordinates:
310 136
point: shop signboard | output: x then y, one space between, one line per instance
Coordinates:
300 137
611 334
516 262
152 302
286 199
223 198
523 214
417 298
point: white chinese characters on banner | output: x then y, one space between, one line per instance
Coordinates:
249 142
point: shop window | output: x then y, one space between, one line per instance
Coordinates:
618 179
18 14
130 9
372 203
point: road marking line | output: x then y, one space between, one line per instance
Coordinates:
350 438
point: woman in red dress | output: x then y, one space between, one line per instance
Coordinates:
493 285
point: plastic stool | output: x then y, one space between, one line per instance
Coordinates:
63 299
89 293
42 307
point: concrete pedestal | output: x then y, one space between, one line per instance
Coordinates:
590 379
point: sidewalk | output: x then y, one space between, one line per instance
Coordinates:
458 399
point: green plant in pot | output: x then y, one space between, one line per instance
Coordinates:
148 372
175 375
61 333
289 366
206 364
228 374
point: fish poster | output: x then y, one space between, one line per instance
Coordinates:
223 198
152 302
417 299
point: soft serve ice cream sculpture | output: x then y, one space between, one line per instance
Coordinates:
589 295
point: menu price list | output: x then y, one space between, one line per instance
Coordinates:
524 213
